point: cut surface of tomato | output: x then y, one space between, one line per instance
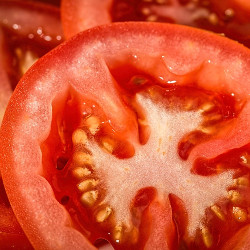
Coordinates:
135 133
230 17
27 31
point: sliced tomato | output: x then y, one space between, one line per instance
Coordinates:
230 17
27 31
5 86
31 33
135 133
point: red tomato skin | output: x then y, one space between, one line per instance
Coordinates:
46 223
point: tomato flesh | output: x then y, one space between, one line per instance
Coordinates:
84 195
108 143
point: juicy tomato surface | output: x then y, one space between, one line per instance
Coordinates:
31 29
27 31
136 134
229 17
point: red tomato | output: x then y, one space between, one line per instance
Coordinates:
230 17
27 31
31 30
136 133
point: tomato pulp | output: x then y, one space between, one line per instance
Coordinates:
136 133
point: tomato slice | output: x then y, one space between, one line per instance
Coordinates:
29 35
28 30
230 17
136 133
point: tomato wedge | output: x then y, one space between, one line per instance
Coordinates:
229 17
136 133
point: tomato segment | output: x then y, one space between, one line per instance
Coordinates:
101 149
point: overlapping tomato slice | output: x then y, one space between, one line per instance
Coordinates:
136 133
27 31
230 17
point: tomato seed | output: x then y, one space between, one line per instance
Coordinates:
79 137
89 198
234 196
217 211
240 214
229 13
208 106
145 11
118 233
87 184
245 159
108 144
207 130
103 214
93 124
241 181
207 237
80 172
213 19
152 18
82 158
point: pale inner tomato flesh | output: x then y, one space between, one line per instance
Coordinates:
157 164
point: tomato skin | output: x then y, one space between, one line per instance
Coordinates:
26 126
